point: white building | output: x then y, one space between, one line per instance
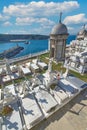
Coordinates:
76 58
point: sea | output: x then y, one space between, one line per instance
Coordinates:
34 46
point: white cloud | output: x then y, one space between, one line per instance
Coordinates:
19 32
31 20
45 21
7 23
3 18
40 8
40 30
24 21
75 19
70 28
37 13
32 31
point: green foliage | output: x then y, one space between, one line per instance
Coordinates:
0 86
82 77
19 80
28 76
6 110
53 86
58 67
44 57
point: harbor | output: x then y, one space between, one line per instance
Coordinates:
22 58
35 46
11 52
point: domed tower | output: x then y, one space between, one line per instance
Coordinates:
58 37
82 33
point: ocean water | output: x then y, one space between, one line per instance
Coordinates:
70 38
34 46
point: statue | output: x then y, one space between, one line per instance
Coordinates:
7 66
67 71
50 66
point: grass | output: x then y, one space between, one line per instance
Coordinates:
1 58
19 80
56 67
59 67
42 71
28 76
44 57
53 86
82 77
15 81
0 86
6 110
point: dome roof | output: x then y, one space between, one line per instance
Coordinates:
59 29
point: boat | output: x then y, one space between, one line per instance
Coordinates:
11 52
27 42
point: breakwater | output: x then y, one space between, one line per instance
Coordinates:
24 57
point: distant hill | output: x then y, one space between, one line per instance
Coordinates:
9 37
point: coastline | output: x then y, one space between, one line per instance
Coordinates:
22 58
29 48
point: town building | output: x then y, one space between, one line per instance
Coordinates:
82 33
76 58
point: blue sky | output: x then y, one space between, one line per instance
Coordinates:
39 17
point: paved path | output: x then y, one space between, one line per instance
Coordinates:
72 116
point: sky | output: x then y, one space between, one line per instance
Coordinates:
39 17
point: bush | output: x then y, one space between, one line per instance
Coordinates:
6 110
